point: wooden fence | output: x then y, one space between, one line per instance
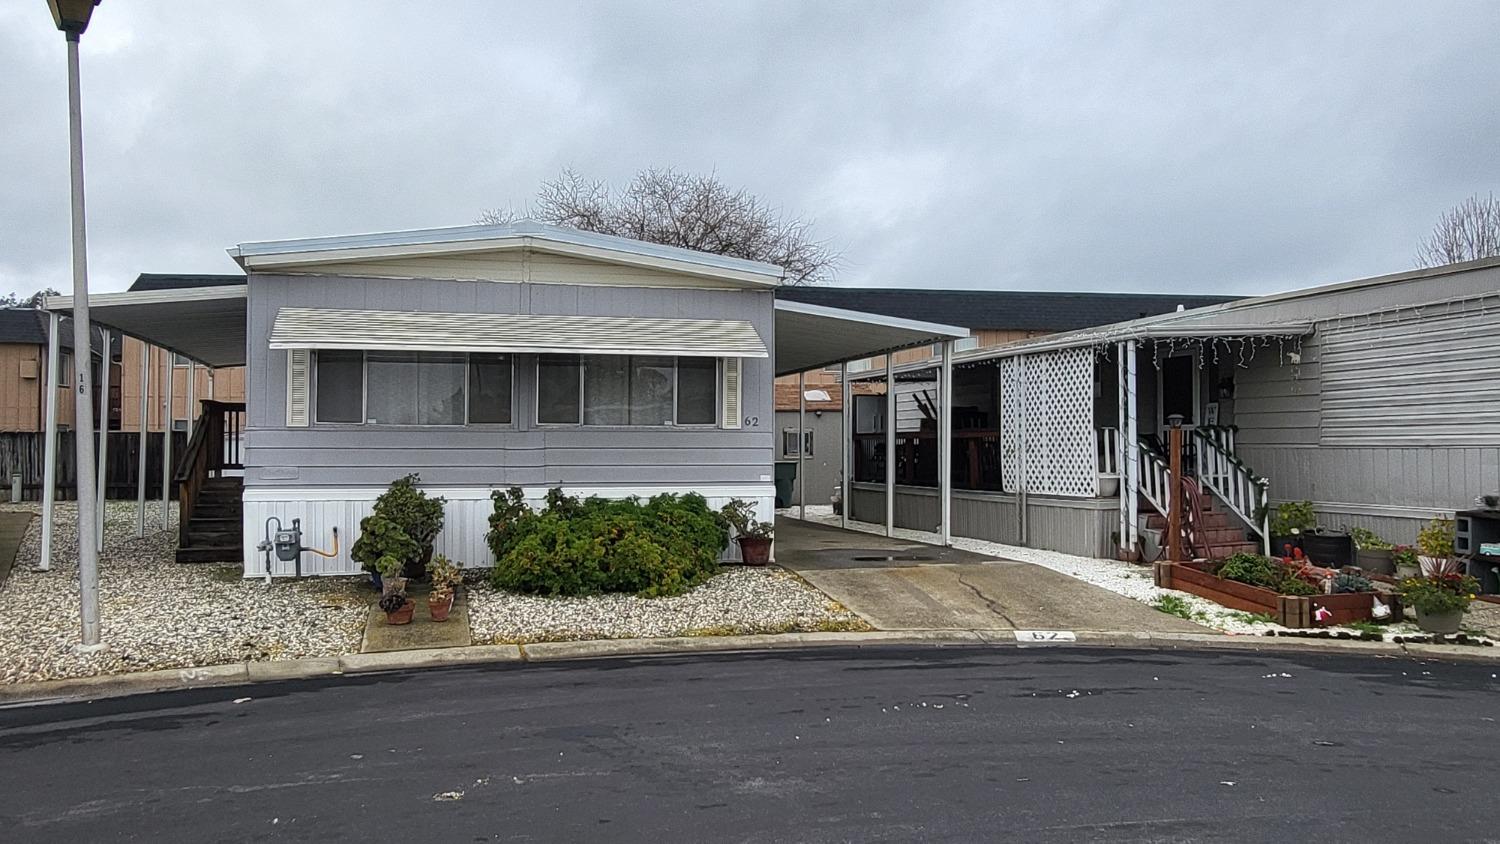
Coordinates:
22 452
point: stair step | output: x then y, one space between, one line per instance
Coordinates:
210 554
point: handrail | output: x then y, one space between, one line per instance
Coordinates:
1156 479
1228 478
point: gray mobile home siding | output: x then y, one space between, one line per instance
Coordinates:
1385 422
332 455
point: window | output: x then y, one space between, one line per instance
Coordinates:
789 442
179 360
340 389
412 388
964 344
635 390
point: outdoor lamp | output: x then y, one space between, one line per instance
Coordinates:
72 16
1175 420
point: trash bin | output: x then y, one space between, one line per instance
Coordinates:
786 475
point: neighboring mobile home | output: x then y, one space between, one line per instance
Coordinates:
1374 399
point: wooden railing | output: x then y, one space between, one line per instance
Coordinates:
1224 475
213 447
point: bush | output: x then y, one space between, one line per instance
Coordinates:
1294 517
418 517
570 547
1444 592
1436 540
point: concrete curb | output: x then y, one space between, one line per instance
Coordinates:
243 673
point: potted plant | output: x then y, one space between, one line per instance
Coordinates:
1291 520
1435 545
419 520
444 577
398 609
1441 596
753 535
1404 558
380 540
1372 553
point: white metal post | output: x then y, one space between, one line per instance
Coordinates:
890 446
846 443
1120 428
1132 439
140 465
103 442
88 559
945 442
168 378
49 460
192 396
802 445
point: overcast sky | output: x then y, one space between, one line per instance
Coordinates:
1143 146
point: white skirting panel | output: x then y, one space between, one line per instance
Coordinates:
465 520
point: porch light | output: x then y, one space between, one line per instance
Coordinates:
72 16
1176 420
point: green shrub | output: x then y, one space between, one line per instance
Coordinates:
570 547
1346 582
1294 517
1265 572
1368 540
420 518
380 538
1436 540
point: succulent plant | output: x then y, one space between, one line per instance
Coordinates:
1348 582
392 602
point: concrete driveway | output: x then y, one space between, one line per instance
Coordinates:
900 585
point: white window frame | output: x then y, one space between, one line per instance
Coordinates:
364 397
536 395
789 442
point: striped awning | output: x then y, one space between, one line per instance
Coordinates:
327 328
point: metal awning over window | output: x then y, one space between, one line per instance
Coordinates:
323 328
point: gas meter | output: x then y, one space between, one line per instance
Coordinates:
286 543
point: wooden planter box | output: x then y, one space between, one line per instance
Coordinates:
1289 610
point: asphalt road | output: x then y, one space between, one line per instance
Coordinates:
933 744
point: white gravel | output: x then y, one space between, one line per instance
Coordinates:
738 600
1132 580
156 613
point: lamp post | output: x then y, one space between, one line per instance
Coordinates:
72 17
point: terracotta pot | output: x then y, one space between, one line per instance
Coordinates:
1445 623
755 550
440 609
403 615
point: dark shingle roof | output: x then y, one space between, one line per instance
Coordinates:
23 325
1012 310
173 281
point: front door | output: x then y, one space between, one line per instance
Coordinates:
1177 390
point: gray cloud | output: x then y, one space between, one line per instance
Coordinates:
1141 146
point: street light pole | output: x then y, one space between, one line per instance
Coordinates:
72 18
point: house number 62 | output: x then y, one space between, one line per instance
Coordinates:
752 421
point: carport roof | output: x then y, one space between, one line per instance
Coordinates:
208 325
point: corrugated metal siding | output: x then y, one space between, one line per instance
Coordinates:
1424 377
324 455
1068 526
465 523
337 328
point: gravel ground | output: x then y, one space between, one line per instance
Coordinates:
156 613
738 600
1129 579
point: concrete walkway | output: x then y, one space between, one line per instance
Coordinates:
901 585
422 633
12 531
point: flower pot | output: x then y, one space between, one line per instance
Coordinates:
1405 570
1281 545
1375 561
440 609
1109 486
375 582
755 550
1330 550
1445 623
403 615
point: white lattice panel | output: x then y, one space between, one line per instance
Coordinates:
1010 424
1047 424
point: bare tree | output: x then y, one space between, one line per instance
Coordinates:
1467 232
681 209
34 301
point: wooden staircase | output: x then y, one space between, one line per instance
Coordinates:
210 498
1218 528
